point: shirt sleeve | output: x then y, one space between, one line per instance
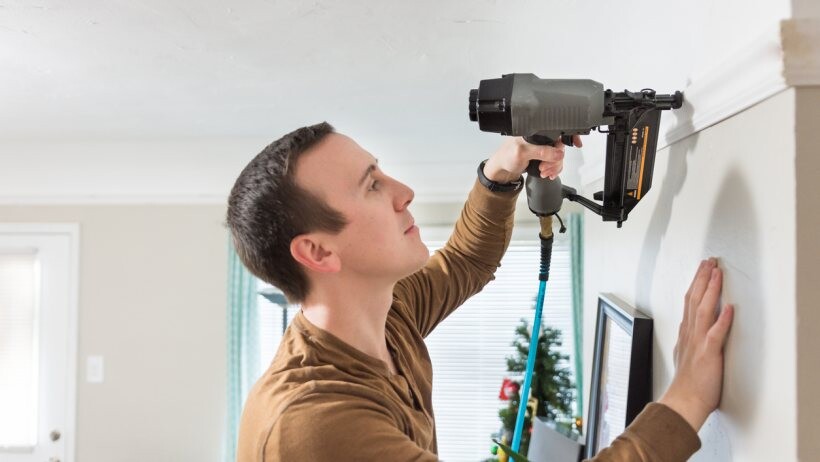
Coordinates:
658 434
343 429
466 263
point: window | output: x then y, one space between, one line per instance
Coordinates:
19 354
470 348
273 319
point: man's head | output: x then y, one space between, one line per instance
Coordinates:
314 205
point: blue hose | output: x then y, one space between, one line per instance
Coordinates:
543 276
525 390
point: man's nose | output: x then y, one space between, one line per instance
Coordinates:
403 196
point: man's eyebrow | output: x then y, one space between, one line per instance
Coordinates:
369 170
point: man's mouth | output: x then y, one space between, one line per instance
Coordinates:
411 228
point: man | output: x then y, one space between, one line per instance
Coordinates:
314 215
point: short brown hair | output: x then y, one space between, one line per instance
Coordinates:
267 209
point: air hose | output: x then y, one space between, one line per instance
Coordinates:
546 237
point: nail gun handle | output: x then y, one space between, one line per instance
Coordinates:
543 140
544 196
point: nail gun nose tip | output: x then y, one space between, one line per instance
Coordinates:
677 102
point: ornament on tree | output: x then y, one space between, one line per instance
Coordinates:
508 388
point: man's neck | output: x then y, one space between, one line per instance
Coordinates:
356 315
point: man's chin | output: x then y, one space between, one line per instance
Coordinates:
419 264
423 260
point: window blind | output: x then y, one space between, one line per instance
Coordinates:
469 349
271 327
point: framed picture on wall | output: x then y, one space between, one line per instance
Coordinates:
621 371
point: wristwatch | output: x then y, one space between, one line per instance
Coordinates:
499 187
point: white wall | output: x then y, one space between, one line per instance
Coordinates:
742 187
728 192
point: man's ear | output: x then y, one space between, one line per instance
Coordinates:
309 250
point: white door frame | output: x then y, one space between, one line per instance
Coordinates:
72 231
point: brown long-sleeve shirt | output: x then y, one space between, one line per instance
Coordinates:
323 400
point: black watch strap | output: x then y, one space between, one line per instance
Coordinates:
500 187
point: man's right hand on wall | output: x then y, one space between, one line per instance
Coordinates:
696 387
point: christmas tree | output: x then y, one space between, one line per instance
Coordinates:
551 388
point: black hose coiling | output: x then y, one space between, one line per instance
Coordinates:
546 259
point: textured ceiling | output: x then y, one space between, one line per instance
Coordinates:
208 68
394 74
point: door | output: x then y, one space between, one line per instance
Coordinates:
38 342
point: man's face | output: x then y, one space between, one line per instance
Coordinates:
380 239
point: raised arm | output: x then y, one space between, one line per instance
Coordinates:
481 236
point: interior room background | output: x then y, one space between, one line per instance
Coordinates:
133 120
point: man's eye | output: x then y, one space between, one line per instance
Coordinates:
374 185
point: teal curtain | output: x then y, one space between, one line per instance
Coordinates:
243 344
576 232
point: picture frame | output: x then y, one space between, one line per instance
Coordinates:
621 383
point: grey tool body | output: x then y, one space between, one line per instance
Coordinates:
554 107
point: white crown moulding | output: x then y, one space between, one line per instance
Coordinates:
784 56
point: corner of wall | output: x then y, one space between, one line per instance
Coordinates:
807 166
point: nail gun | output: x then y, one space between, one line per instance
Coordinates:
546 110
